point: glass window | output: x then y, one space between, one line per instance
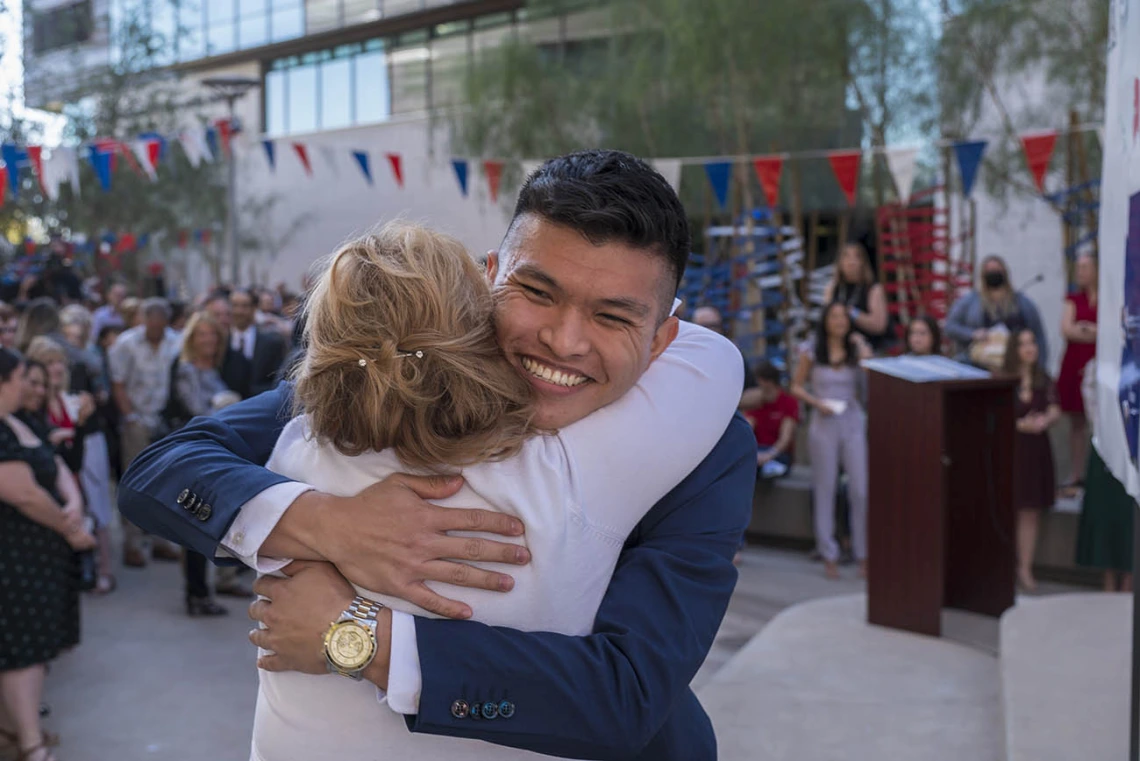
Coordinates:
253 24
360 11
336 89
449 59
221 38
276 103
302 108
370 87
190 45
287 20
163 26
400 7
219 12
408 61
321 15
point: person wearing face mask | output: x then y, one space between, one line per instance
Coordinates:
981 321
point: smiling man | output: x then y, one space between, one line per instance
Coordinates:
583 285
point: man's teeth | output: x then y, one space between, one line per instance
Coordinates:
550 375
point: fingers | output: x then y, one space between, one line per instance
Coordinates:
299 565
266 585
421 595
429 487
271 663
258 609
475 548
260 637
463 575
462 519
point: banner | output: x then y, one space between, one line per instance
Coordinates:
901 163
101 162
141 149
364 164
303 155
845 165
494 172
460 168
397 165
969 157
719 174
13 159
1038 153
270 154
1116 424
768 170
670 169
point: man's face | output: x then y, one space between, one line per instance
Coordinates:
219 309
580 322
155 322
770 390
8 332
116 294
242 306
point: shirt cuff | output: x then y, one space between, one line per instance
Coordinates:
404 678
254 523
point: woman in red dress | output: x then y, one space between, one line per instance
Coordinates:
1078 326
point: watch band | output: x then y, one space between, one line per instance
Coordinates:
362 608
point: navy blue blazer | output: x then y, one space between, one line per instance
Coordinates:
621 692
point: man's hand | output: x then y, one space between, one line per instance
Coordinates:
297 613
389 539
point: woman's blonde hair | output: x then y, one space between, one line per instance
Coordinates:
204 320
866 276
45 351
401 353
1005 303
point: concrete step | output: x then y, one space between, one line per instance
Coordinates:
1065 677
820 683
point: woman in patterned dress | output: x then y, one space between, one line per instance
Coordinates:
41 528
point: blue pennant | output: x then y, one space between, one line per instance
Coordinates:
460 167
365 165
969 155
719 174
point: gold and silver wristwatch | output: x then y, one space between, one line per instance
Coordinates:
350 642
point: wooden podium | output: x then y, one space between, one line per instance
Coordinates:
940 509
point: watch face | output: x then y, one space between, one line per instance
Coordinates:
350 645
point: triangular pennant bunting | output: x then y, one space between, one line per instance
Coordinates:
902 163
719 174
154 152
397 165
226 132
460 168
13 158
189 144
768 170
969 157
845 165
303 154
1038 153
328 155
364 164
670 169
141 149
210 135
36 158
270 153
101 163
494 172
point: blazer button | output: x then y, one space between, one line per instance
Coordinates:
459 709
191 503
474 712
204 513
506 709
183 495
490 710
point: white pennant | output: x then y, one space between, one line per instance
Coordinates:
203 145
139 148
62 165
328 153
670 169
190 147
902 162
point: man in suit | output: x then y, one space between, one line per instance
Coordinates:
619 692
256 356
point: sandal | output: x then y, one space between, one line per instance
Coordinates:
105 585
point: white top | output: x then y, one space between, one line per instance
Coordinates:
579 493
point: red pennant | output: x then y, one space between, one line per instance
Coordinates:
397 168
226 132
303 155
36 156
125 243
153 150
155 269
494 172
1038 153
845 164
768 169
129 155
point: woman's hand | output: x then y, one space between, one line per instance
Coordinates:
86 407
862 348
824 409
80 540
60 435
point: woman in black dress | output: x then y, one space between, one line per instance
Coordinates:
1036 409
41 528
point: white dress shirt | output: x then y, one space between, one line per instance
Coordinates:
579 493
243 341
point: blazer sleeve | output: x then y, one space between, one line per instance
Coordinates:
624 689
216 464
956 326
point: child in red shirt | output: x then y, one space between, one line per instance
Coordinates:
774 423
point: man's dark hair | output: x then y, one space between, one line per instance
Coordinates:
249 293
610 196
766 371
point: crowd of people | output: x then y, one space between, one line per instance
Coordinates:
87 381
992 326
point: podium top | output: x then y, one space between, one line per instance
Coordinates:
925 369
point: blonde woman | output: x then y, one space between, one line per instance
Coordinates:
197 389
854 286
982 320
403 372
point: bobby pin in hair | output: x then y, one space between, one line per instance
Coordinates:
418 354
